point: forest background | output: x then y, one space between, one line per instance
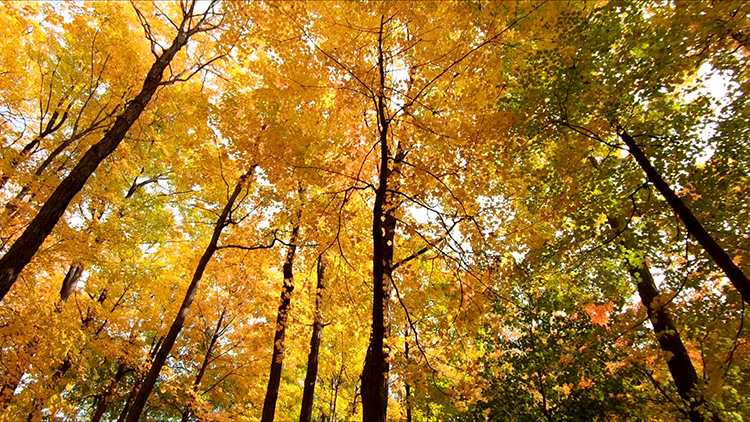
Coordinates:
401 211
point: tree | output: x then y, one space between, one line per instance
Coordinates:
544 365
144 390
311 377
24 248
282 319
477 265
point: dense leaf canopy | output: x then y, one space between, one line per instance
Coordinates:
408 211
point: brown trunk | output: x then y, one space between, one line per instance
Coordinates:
693 226
14 371
311 377
129 401
24 248
357 393
336 392
70 282
139 402
277 357
206 361
10 383
407 398
62 369
102 402
680 365
376 368
375 373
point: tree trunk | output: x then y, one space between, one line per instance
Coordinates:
13 378
680 365
206 360
102 401
15 372
311 377
375 372
134 413
376 368
407 387
129 401
277 357
336 392
738 279
70 282
24 248
9 385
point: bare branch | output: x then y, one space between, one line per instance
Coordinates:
180 78
252 248
147 31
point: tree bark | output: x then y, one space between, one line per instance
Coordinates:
407 386
14 371
680 365
9 385
102 402
136 408
155 344
129 400
13 378
206 361
375 372
70 282
738 279
277 357
24 248
376 368
336 392
311 376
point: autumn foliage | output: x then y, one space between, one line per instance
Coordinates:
380 211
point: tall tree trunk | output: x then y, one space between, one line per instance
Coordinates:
102 402
129 401
24 248
139 402
10 382
376 368
668 337
738 279
336 392
375 372
407 386
206 361
13 377
311 376
70 282
277 357
15 369
680 366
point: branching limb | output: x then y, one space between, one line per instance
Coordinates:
186 74
254 247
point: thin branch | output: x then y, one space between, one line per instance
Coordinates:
253 248
180 78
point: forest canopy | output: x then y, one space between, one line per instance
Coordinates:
378 211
